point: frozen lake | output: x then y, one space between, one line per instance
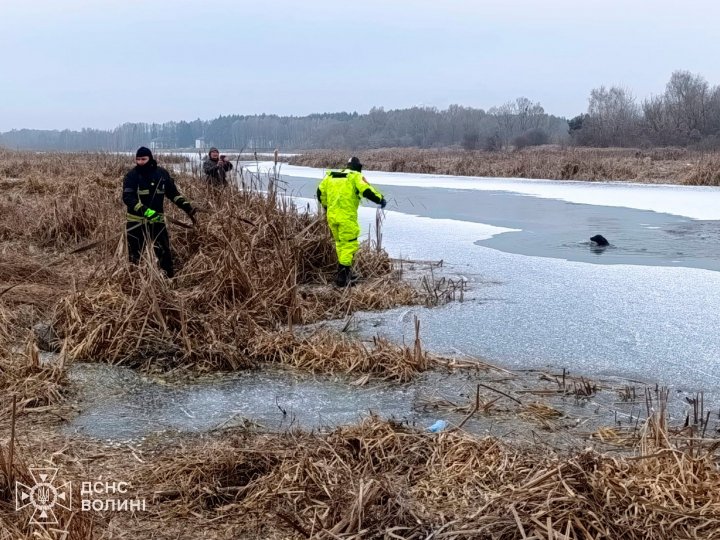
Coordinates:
647 308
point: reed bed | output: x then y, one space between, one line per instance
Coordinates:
256 267
382 479
379 479
332 352
29 383
660 165
244 275
33 383
14 524
705 172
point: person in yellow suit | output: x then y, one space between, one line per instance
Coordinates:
340 193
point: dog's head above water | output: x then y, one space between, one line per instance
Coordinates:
599 240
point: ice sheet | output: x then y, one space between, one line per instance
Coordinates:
655 324
697 202
395 227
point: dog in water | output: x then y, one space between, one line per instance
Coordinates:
599 240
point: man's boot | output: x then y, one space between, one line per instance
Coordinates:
343 276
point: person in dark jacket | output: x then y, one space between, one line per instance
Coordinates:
216 167
144 190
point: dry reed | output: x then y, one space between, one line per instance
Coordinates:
379 479
666 165
254 268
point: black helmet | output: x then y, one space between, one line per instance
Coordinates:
354 164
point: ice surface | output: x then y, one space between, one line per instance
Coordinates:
396 225
697 202
653 324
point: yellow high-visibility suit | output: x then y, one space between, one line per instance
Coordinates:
340 193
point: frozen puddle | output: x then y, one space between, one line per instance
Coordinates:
120 404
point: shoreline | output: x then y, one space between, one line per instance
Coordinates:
648 166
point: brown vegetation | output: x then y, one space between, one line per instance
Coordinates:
252 272
380 479
666 165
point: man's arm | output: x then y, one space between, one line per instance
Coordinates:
321 197
369 192
172 193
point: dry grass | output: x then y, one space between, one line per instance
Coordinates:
705 172
14 524
32 384
332 352
253 271
664 165
256 266
382 480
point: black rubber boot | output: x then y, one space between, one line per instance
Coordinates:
343 276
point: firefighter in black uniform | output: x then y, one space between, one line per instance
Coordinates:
144 190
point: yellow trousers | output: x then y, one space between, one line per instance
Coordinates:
345 233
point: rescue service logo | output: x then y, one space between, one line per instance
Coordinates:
48 494
43 496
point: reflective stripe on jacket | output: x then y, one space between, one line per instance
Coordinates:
147 191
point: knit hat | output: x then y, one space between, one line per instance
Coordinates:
354 164
213 149
143 152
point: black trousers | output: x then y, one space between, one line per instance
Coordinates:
156 233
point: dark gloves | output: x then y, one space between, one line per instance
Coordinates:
192 215
383 202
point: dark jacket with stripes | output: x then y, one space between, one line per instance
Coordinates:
148 190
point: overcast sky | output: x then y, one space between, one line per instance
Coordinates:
82 63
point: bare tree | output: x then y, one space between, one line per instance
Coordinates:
530 115
686 99
613 117
506 118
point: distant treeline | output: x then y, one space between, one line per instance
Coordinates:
686 114
519 122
